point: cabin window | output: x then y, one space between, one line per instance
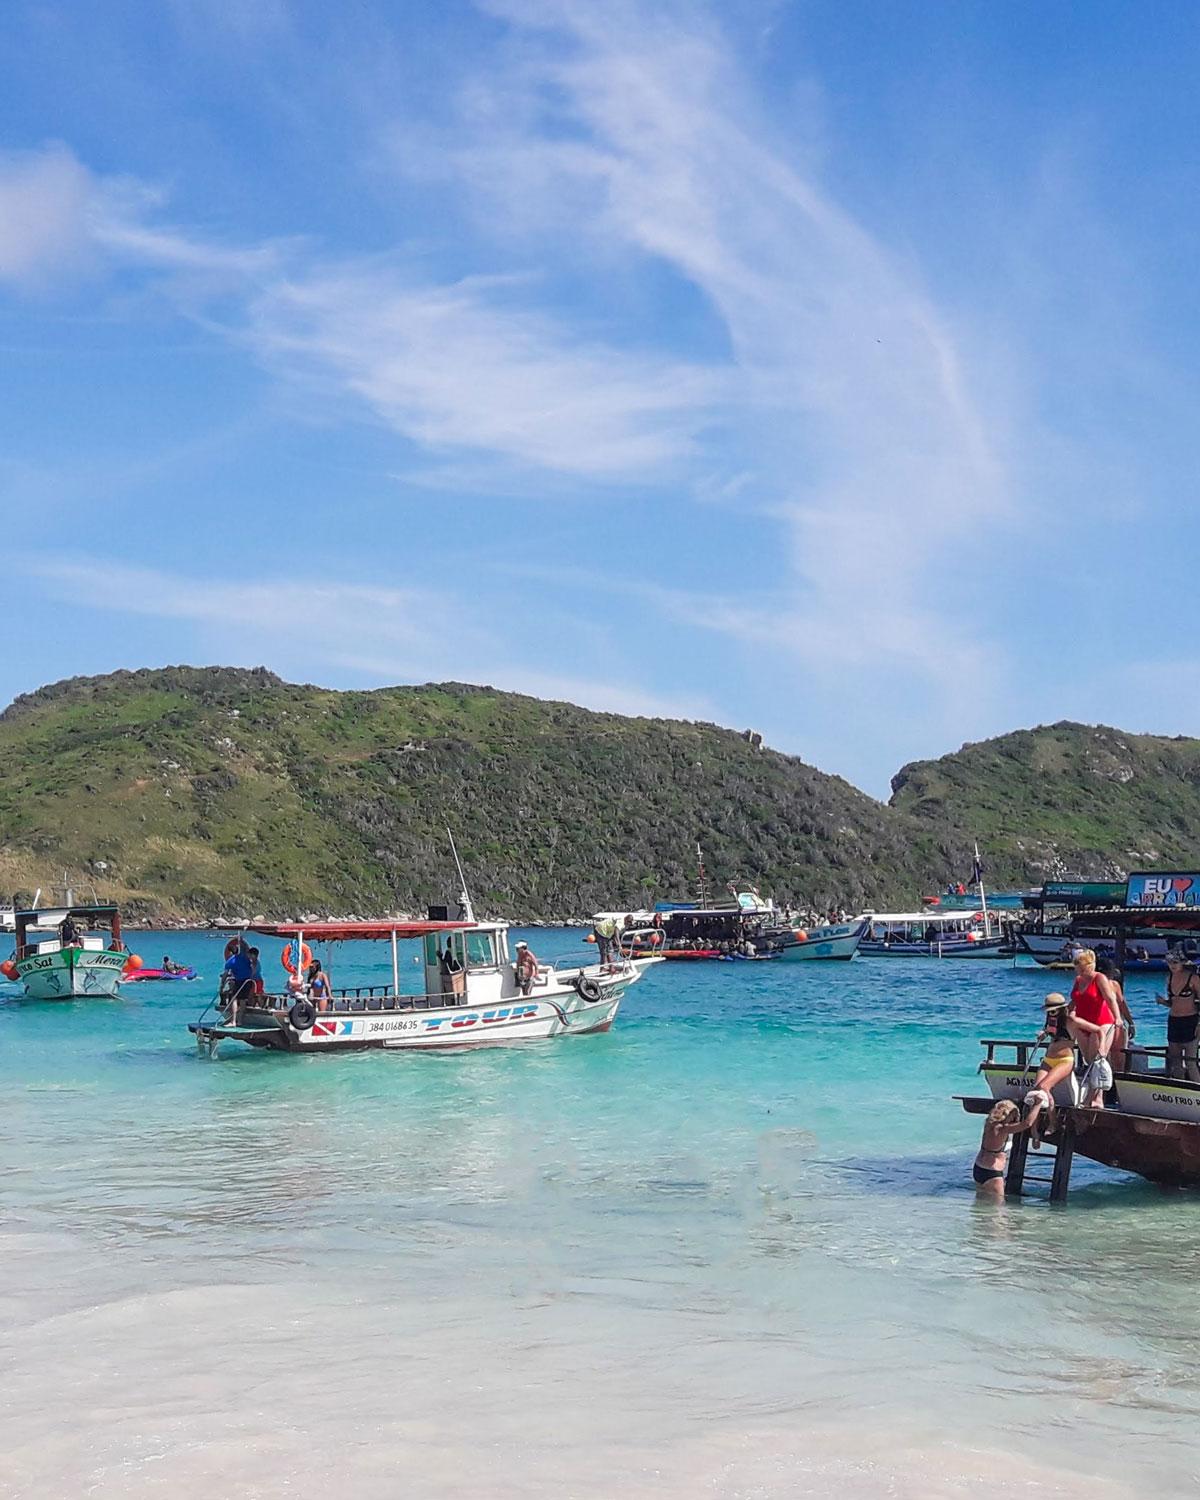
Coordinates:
481 950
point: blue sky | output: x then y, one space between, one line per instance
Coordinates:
826 368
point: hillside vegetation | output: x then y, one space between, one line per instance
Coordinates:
212 791
1065 800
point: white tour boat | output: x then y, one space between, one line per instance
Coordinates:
470 994
68 952
934 934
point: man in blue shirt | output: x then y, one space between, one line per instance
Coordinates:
240 968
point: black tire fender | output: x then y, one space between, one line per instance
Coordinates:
588 990
302 1014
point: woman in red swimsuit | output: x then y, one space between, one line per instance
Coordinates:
1093 1018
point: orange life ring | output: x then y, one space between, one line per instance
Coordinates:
285 958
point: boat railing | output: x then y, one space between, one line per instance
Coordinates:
630 939
366 997
1024 1051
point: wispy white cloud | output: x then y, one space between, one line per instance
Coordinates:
629 126
472 367
454 367
46 198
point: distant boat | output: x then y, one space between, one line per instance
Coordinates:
831 940
68 952
748 927
933 934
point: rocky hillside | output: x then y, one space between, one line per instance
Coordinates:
216 792
1064 800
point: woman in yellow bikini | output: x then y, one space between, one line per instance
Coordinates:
1057 1066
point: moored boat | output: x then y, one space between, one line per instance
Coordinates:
933 934
748 927
830 940
470 995
68 952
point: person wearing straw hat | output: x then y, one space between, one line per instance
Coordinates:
1055 1068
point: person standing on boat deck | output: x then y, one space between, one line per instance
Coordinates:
1092 1018
239 967
1183 1000
451 973
604 929
1125 1031
317 984
256 978
526 967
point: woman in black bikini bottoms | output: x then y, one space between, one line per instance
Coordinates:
991 1160
1183 998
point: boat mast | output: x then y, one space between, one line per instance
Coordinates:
987 924
700 873
464 899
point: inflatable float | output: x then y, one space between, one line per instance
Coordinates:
131 974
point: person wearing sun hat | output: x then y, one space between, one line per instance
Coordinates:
526 966
1055 1067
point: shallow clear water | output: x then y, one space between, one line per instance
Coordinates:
730 1248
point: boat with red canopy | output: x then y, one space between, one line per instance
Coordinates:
473 992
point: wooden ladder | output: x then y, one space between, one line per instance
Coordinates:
1060 1153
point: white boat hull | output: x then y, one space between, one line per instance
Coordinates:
71 974
837 940
951 948
1008 1081
1159 1097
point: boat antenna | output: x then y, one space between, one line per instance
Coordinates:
700 873
464 898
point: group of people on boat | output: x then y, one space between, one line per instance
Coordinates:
1095 1024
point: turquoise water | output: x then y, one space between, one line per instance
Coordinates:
729 1248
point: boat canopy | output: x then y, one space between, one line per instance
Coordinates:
344 932
52 916
924 918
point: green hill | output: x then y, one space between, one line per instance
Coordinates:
1064 800
210 791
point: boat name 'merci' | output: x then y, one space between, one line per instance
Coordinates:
68 952
474 993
